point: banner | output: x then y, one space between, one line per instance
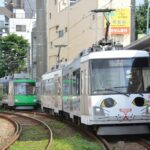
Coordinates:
119 21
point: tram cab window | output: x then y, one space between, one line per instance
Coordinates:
75 83
130 75
66 85
22 88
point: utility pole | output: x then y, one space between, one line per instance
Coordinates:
59 50
148 6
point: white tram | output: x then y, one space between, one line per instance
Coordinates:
109 90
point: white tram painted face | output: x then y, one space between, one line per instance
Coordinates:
121 88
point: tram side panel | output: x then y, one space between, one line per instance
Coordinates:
77 101
71 89
52 91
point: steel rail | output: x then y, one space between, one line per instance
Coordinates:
145 143
18 130
41 122
100 141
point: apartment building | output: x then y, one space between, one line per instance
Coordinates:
73 26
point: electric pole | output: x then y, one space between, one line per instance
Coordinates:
148 6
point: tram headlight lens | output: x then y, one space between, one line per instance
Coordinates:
108 102
34 100
97 111
139 102
148 109
16 100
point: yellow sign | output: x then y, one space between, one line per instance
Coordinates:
120 18
120 21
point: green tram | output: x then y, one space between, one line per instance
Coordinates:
21 94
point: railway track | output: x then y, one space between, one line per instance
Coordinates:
112 143
27 122
109 143
127 142
81 129
13 133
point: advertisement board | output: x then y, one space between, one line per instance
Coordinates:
119 21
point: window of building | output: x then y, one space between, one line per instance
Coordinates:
21 28
60 33
72 2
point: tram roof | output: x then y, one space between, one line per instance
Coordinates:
115 54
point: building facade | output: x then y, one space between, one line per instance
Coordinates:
73 25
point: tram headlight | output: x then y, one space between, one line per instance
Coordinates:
139 102
148 109
16 100
34 100
108 103
97 110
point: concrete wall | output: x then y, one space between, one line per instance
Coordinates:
41 39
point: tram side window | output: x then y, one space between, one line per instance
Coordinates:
75 83
30 88
47 87
146 78
66 85
58 85
42 87
52 86
5 88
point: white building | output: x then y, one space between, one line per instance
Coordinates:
21 25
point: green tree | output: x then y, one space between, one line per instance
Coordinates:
13 51
141 18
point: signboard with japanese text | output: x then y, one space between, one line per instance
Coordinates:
119 21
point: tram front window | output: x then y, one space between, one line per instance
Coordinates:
111 76
24 88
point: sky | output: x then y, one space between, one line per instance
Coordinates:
138 2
